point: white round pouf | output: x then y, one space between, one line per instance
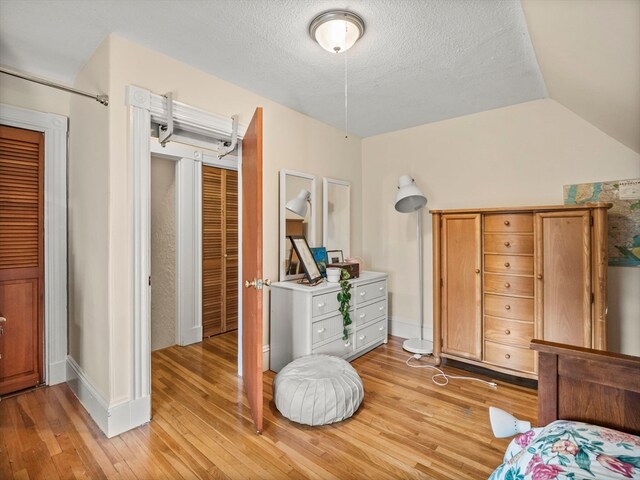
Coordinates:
318 390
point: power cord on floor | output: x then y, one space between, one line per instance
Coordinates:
445 376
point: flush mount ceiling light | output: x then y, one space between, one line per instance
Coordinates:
337 30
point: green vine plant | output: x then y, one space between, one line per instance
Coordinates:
344 297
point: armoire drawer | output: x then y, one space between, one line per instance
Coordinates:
326 328
515 358
338 347
509 222
509 264
508 284
508 243
371 291
509 307
370 312
513 332
371 333
323 304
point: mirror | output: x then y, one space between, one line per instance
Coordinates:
336 215
297 194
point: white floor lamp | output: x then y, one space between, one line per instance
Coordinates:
410 199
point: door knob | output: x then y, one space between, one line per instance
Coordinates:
257 283
2 319
477 270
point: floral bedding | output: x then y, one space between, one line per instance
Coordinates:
565 450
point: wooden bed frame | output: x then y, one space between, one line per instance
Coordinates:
593 386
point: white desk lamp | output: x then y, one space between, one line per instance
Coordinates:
298 205
504 424
410 199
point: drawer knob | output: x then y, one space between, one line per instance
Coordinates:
381 289
477 270
507 264
321 330
381 328
380 308
507 307
539 277
362 294
321 304
507 244
507 356
507 223
362 337
362 315
347 343
507 285
507 332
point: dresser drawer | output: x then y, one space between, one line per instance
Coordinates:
512 332
515 358
338 347
370 334
370 312
509 307
509 222
323 304
520 265
508 243
326 328
508 284
371 291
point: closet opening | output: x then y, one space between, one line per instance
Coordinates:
194 259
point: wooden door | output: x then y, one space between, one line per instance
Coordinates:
563 277
252 266
21 258
219 250
461 264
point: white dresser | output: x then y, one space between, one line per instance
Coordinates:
306 319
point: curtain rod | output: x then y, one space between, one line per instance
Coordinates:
103 99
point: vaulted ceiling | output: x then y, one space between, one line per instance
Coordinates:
418 62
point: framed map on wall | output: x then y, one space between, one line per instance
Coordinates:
624 216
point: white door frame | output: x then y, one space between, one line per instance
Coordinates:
143 108
188 187
54 128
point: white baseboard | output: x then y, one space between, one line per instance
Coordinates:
408 329
265 358
193 335
112 420
57 373
91 400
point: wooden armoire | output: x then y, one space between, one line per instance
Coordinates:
219 250
503 276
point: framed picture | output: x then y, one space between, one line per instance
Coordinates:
335 256
305 258
320 256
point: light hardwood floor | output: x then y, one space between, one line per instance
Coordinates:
406 428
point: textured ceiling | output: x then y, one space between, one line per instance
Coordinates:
418 62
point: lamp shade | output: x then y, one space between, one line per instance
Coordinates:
409 197
504 424
298 205
337 31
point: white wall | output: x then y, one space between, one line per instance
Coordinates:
90 333
589 55
20 93
163 253
519 155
